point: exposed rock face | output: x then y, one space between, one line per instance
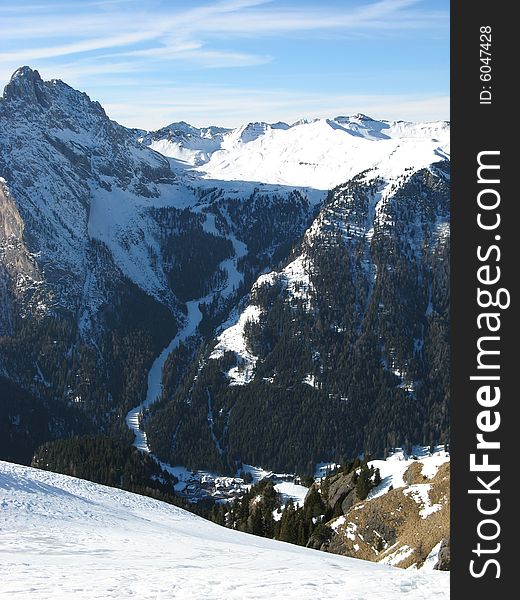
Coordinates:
342 490
444 562
27 85
20 279
340 487
402 527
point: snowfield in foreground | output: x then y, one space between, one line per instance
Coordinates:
62 537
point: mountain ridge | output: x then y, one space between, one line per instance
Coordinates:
106 241
291 154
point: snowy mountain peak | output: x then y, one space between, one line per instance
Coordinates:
361 117
305 121
76 176
184 142
26 91
358 117
252 131
25 72
317 153
279 125
26 84
180 128
360 126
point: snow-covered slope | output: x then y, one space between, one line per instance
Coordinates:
62 537
188 144
320 153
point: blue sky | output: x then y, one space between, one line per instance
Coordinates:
152 62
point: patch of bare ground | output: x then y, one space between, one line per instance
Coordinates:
402 526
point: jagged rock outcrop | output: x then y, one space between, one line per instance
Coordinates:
404 526
444 560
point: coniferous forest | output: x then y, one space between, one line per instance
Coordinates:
357 363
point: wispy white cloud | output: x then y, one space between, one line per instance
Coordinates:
76 47
234 106
196 52
171 36
213 59
387 14
106 44
99 30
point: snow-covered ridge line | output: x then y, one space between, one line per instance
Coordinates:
69 538
318 153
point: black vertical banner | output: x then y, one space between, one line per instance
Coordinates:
485 249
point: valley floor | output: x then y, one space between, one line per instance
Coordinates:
62 537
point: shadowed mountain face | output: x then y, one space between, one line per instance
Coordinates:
343 349
102 241
323 318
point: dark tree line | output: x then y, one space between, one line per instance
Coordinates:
260 512
107 461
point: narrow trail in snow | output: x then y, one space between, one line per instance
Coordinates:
191 323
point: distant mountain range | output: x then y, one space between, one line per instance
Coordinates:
318 153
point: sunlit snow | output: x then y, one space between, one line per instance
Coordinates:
62 538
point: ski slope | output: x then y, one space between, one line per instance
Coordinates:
62 537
